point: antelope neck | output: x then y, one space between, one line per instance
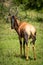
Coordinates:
16 25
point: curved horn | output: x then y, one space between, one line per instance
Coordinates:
9 14
11 11
16 11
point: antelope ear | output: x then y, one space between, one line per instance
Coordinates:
10 15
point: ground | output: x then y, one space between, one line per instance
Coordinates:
9 45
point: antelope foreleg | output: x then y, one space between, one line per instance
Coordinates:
26 52
20 46
20 49
24 47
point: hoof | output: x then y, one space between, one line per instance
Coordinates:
34 58
27 58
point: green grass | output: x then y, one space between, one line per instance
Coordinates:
9 45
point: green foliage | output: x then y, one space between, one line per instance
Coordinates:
17 2
38 4
3 10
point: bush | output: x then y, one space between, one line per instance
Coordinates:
38 4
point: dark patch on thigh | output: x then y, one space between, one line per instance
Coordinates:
26 37
33 40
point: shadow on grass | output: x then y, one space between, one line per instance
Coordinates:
22 57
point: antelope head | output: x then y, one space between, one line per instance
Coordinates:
13 19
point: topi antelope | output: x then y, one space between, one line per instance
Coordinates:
25 31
